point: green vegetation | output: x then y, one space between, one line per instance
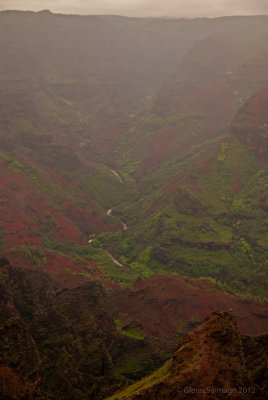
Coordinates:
194 201
158 376
118 324
217 232
33 254
81 254
133 334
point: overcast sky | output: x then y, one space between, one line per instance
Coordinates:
169 8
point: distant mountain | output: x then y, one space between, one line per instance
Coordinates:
112 113
133 201
196 103
251 125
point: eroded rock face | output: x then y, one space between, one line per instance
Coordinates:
63 343
251 124
60 342
211 356
53 342
19 358
214 362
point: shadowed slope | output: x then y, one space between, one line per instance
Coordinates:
211 362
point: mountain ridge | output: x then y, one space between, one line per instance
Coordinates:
210 361
133 203
49 331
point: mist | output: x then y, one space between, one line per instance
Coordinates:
144 8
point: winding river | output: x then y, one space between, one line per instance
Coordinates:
109 212
114 259
117 175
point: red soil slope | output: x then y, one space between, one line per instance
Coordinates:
166 305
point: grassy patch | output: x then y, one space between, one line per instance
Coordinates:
133 334
150 380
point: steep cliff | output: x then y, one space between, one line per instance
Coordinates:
213 361
61 343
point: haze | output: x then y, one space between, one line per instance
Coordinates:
144 8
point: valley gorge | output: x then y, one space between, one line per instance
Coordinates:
133 204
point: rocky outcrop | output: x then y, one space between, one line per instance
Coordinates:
212 362
61 343
70 343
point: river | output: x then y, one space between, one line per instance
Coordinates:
117 175
109 212
114 259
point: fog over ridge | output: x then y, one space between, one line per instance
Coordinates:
144 8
